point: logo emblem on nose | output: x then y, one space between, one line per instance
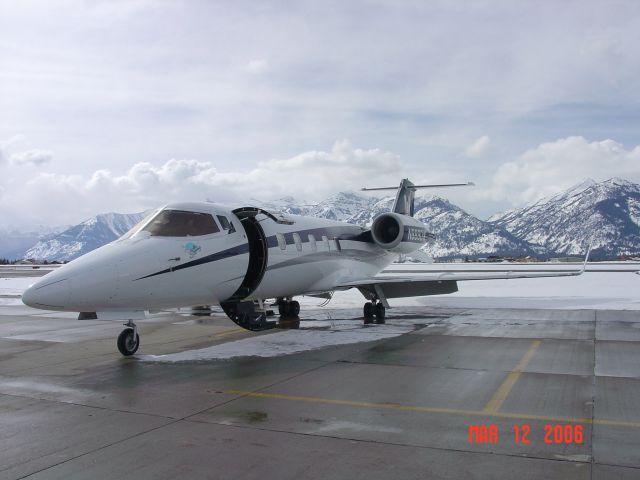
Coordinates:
192 249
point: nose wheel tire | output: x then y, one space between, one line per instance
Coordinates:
128 342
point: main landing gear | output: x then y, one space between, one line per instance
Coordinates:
289 311
129 340
251 315
374 309
288 308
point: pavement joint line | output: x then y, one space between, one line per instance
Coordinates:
278 382
94 450
94 407
437 410
501 394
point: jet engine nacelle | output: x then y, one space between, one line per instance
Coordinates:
399 233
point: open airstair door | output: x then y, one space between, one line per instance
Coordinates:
257 252
248 314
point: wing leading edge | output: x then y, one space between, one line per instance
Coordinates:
388 286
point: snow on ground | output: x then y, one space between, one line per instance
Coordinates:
612 291
288 342
12 288
16 285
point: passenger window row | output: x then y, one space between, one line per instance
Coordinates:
334 244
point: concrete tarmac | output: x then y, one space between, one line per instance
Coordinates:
71 407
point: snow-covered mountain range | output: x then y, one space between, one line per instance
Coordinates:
606 214
80 239
13 243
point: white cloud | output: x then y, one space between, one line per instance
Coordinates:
50 198
235 82
554 166
478 148
56 198
5 146
11 141
257 66
31 157
319 173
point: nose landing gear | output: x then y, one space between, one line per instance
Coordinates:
129 340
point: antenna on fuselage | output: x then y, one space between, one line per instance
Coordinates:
406 192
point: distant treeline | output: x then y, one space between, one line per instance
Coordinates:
6 261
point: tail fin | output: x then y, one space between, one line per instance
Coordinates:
407 191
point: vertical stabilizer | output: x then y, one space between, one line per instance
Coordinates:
404 198
407 192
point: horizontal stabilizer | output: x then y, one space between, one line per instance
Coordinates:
438 185
406 192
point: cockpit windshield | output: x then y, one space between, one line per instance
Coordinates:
132 231
181 223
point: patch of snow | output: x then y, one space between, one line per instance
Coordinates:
286 343
15 285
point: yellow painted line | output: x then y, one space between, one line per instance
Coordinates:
229 332
437 410
498 398
616 423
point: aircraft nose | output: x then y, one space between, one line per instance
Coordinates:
52 294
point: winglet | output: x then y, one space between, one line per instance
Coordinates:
586 259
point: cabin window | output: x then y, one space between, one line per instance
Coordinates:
180 223
281 241
226 224
298 241
312 242
325 241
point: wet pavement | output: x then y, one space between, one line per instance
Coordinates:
380 401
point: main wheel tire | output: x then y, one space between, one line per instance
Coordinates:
231 310
368 310
127 344
282 308
259 320
380 313
294 309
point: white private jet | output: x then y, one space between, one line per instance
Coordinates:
187 254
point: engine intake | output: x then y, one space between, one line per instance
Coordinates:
399 233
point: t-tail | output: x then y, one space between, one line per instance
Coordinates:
406 191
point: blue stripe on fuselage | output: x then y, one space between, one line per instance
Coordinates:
228 253
331 232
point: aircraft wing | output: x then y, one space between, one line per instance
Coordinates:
437 283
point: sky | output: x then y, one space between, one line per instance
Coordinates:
127 105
